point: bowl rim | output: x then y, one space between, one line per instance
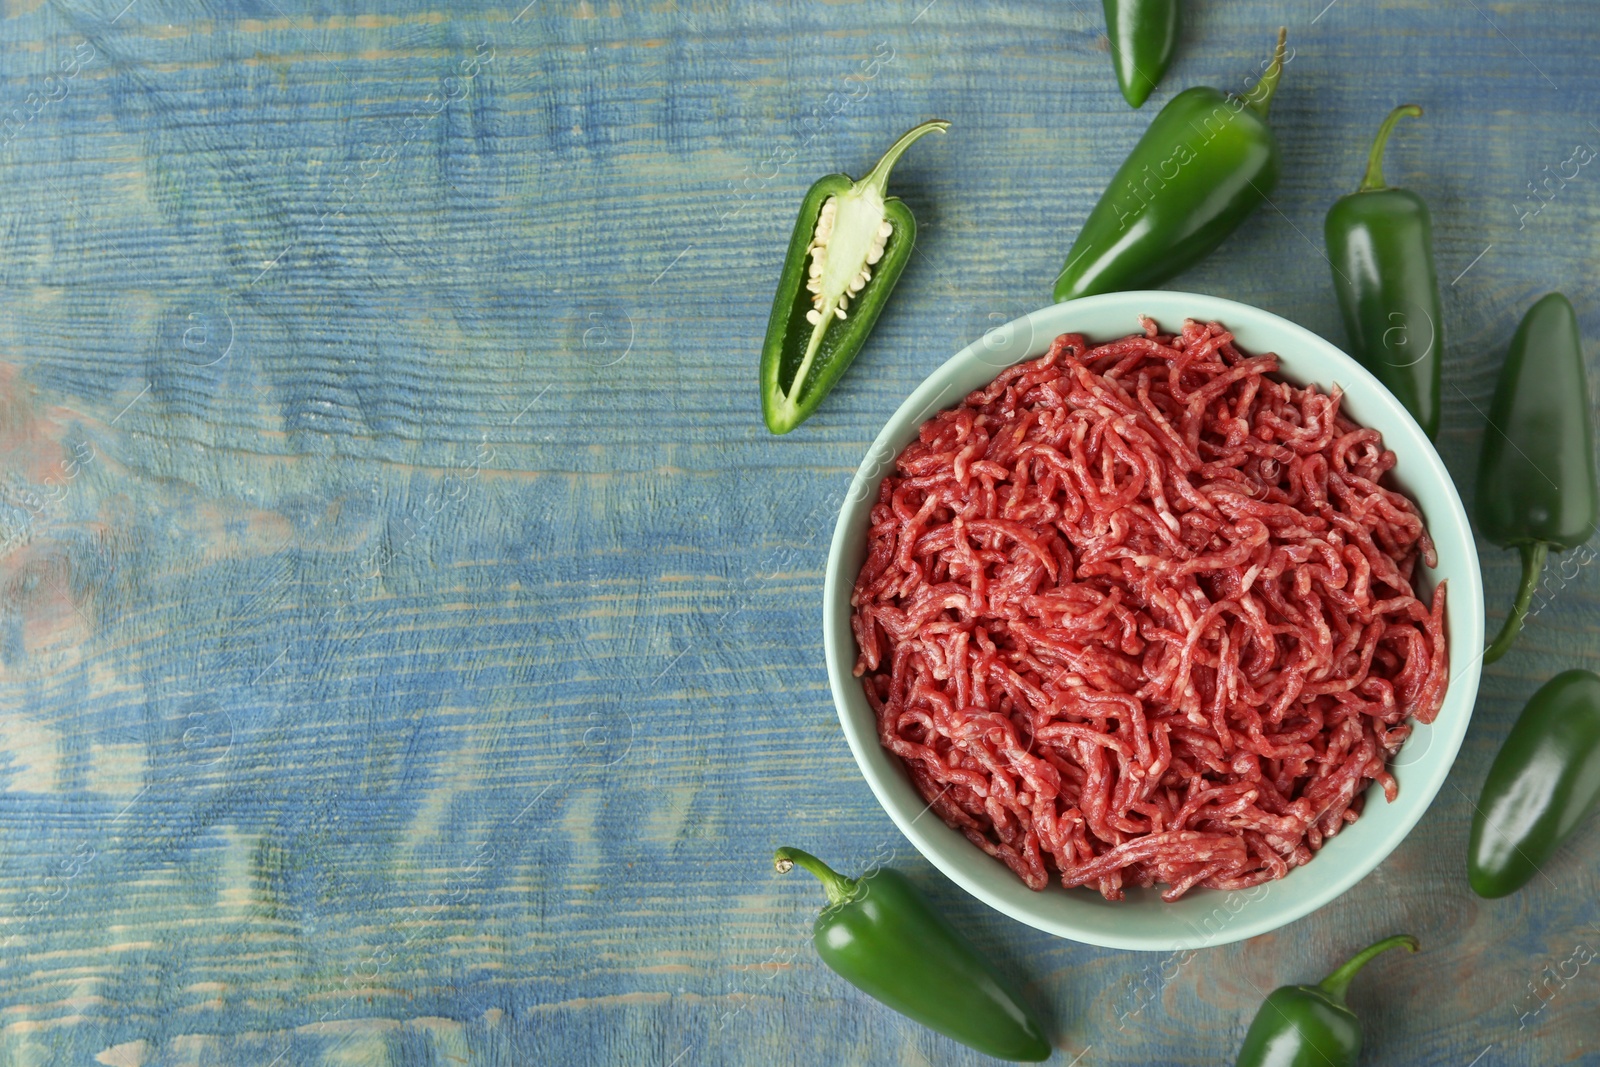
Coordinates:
1445 735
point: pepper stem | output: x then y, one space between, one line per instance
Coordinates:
839 888
1373 182
1533 554
878 177
1336 983
1260 97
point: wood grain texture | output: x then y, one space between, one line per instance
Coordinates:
409 646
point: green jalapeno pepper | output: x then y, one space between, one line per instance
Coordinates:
1380 244
1143 36
1310 1025
1207 161
1544 782
1536 475
880 934
849 247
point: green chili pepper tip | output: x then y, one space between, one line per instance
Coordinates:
1143 35
1373 181
1338 982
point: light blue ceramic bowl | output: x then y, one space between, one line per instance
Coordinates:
1203 917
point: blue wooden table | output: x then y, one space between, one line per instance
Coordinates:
409 634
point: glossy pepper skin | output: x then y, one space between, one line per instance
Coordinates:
1544 782
801 361
1310 1025
880 934
1537 488
1143 36
1380 243
1205 163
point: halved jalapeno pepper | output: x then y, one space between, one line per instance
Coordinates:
850 244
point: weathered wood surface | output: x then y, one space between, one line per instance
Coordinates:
409 650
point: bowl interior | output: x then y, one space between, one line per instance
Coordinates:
1202 917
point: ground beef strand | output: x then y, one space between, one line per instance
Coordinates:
1143 613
